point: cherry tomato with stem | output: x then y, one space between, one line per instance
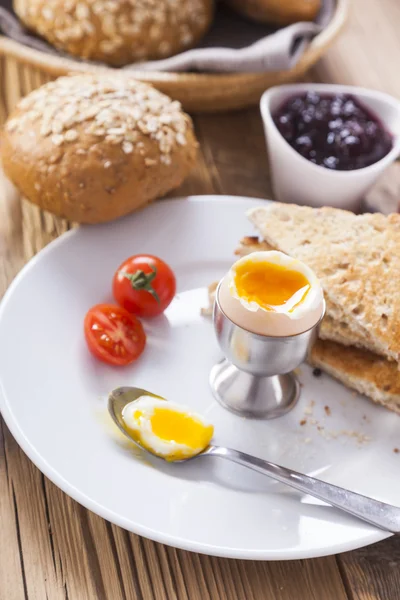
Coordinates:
144 285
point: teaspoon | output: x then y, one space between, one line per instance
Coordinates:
382 515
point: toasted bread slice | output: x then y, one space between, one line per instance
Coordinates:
367 373
357 259
332 328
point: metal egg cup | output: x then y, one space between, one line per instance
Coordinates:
256 379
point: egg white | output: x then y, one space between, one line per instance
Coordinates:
295 307
145 434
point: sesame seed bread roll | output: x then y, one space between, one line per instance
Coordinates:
118 33
92 148
277 12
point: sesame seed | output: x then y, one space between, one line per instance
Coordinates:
47 13
71 135
116 131
127 147
57 139
165 159
57 127
107 164
12 125
180 138
82 11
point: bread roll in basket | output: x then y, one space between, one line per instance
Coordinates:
197 91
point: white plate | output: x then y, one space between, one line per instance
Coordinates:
53 398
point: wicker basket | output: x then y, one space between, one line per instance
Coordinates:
198 92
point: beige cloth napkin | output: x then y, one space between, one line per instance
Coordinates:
232 45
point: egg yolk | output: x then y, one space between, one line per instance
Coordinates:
179 427
173 426
269 284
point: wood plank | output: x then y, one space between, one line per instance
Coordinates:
372 573
233 145
11 566
127 562
366 51
41 567
73 543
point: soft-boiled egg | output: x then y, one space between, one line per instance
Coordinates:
269 293
166 429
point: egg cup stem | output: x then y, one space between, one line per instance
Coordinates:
253 396
256 377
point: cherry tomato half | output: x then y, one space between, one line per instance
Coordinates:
113 335
145 285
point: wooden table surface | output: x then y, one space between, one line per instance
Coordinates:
53 548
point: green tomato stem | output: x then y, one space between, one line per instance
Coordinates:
142 281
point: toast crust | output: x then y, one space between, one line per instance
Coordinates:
363 371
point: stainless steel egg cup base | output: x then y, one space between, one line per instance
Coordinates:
253 396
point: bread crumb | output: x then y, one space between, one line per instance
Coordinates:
327 410
327 434
207 311
396 450
360 437
307 440
309 409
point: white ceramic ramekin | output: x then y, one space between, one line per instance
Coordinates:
295 179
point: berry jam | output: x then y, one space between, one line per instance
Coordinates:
333 131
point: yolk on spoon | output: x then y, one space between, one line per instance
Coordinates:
181 428
166 429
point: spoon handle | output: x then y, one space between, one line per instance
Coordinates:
384 516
